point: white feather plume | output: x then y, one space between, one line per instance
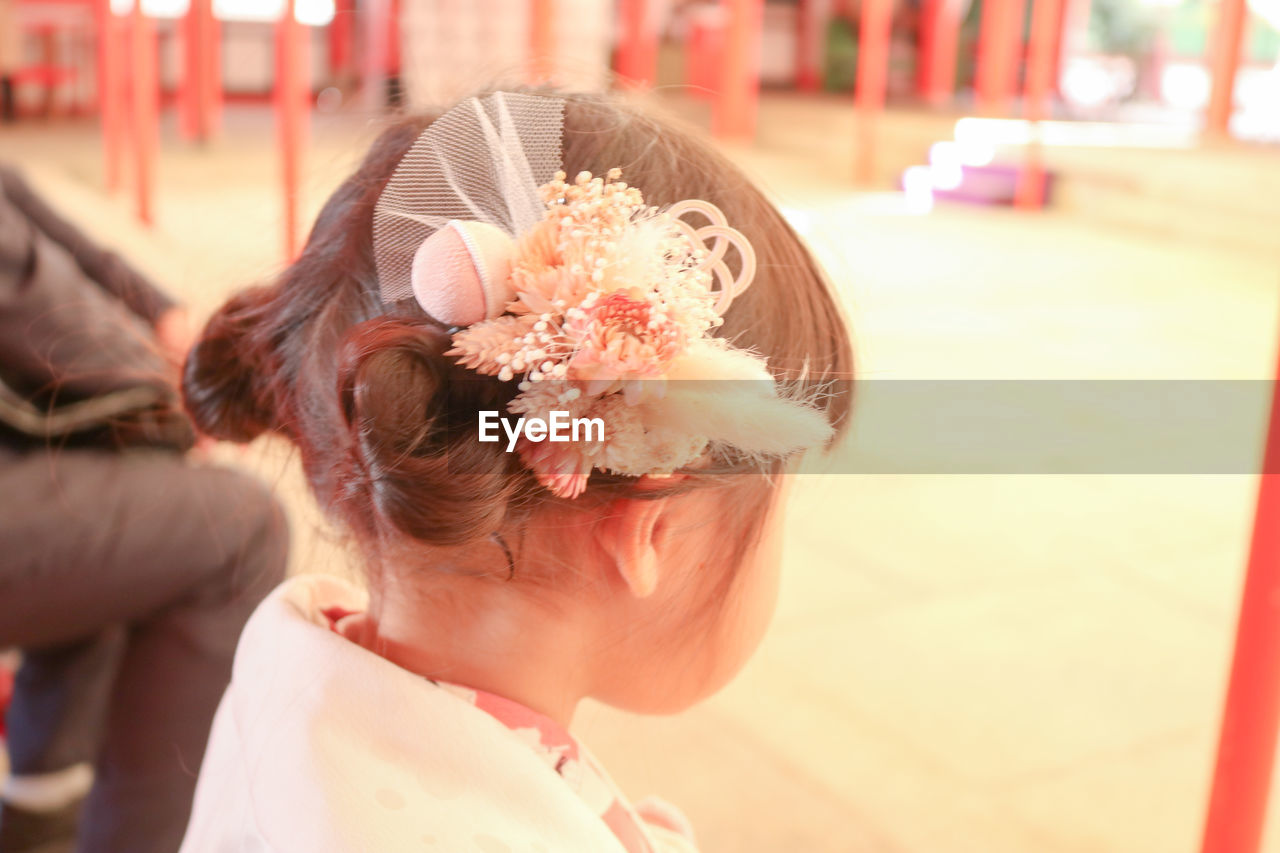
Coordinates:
711 359
739 414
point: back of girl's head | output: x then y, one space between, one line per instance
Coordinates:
386 422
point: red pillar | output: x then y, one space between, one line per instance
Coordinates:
375 31
1247 742
733 114
292 95
200 89
541 40
145 101
1074 38
112 94
341 40
637 58
999 50
872 82
1046 21
811 24
939 41
393 39
1225 59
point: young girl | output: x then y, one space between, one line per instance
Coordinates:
525 265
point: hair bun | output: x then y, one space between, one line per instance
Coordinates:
410 412
222 384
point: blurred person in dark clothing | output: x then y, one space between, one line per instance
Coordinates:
126 571
10 57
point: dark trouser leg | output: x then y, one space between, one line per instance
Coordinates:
70 683
179 556
8 103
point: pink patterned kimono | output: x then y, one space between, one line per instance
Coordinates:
321 746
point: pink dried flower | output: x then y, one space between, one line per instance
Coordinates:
562 467
621 338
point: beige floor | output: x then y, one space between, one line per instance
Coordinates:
960 664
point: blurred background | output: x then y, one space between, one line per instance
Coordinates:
991 662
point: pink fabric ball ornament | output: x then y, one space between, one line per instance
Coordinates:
462 273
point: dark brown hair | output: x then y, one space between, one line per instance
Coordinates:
386 424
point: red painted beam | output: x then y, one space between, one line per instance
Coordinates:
1228 37
939 44
145 102
1046 23
999 49
872 82
733 112
1237 808
637 56
292 96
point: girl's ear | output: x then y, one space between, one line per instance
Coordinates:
627 536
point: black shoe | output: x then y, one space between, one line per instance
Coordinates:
22 831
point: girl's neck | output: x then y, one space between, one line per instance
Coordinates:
488 637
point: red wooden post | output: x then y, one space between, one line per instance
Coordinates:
394 63
733 114
111 93
189 80
292 92
872 82
145 102
637 58
1075 31
999 48
1247 742
1046 19
541 40
200 88
939 41
341 38
811 23
374 31
1225 58
704 52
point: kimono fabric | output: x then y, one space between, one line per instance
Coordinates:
321 746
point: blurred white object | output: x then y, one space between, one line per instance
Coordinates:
1185 85
917 186
1258 97
152 8
1268 10
945 167
1074 134
315 13
1092 81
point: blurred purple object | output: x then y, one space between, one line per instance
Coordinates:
992 184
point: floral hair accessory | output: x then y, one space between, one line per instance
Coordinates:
600 306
